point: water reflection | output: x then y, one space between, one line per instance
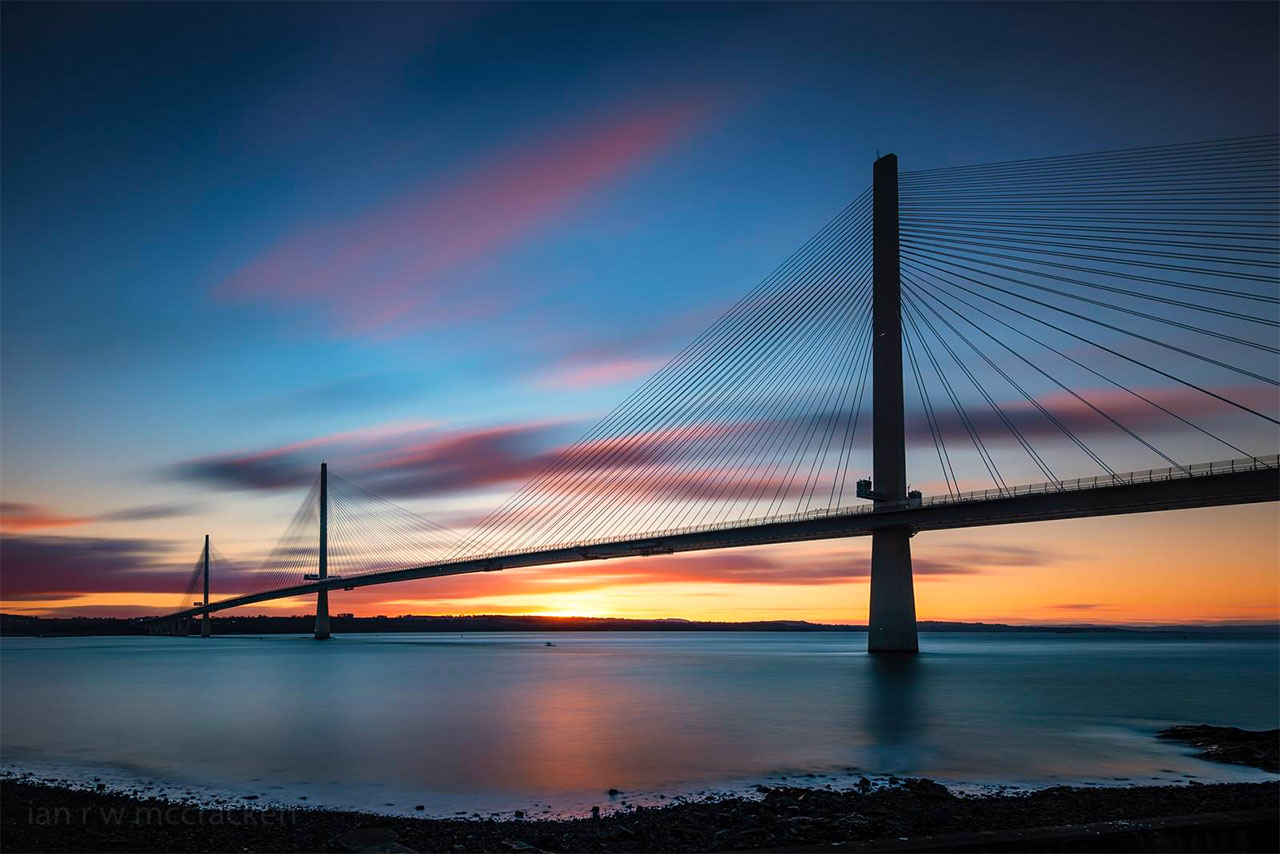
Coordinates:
501 721
892 685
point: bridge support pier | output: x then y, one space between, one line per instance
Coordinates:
322 596
892 623
322 615
206 630
892 615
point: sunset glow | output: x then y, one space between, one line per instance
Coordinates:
439 293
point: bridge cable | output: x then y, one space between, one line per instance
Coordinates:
673 449
751 322
926 404
666 382
991 402
936 292
821 313
937 254
926 255
938 273
926 300
983 454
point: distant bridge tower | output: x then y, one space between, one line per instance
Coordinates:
892 623
322 595
206 630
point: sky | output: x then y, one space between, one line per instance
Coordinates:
433 244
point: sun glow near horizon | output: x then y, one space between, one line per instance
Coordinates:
1144 568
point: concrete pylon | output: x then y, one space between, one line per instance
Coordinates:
206 630
892 617
322 597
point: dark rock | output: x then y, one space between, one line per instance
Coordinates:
927 788
370 840
1257 748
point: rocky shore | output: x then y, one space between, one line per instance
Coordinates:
1258 748
41 817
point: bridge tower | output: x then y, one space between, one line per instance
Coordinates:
322 596
892 623
206 630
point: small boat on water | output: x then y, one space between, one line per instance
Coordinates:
549 643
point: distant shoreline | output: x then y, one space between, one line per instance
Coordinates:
16 625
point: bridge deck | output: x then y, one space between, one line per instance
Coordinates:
1200 485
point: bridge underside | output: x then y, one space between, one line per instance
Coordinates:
1237 487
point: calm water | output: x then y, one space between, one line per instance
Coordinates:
501 721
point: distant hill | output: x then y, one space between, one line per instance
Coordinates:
17 625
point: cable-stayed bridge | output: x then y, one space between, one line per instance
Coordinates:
1045 339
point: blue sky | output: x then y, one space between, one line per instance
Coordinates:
229 228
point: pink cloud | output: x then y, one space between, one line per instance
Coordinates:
463 459
1080 418
575 375
694 460
400 265
37 567
415 458
1187 402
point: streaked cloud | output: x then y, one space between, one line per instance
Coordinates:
18 516
37 566
407 459
48 568
403 265
1075 414
579 374
294 465
398 459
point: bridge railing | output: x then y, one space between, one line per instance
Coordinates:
1271 461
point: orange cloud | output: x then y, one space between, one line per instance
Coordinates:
15 517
